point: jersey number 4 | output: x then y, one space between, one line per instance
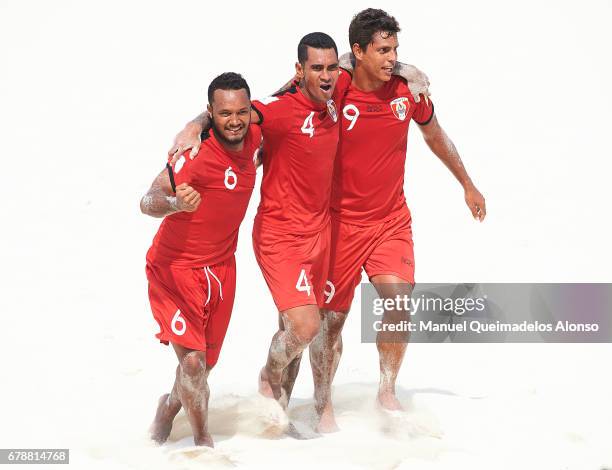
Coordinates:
302 283
308 127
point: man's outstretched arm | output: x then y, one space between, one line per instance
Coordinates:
442 146
161 200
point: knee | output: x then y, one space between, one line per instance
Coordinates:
401 294
194 363
307 330
390 287
333 322
395 316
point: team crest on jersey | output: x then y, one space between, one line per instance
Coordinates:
331 110
400 107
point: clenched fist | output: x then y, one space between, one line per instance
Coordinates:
187 198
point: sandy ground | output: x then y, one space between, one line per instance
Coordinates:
92 95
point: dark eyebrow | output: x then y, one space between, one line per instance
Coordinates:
335 64
224 110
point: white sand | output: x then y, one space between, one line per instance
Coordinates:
91 97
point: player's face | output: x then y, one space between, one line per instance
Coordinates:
319 74
231 114
380 56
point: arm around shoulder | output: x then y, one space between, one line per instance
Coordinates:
189 137
417 80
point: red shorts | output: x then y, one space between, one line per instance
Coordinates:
384 248
193 306
294 266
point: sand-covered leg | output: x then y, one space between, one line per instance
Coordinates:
391 344
193 392
290 375
301 325
325 353
167 408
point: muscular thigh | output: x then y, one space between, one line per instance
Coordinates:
393 252
294 266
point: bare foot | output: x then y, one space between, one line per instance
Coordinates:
270 388
388 401
327 421
264 384
206 440
162 424
327 425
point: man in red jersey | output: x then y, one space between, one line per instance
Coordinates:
190 266
371 223
292 228
291 231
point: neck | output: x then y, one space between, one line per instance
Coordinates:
307 95
363 81
232 147
237 147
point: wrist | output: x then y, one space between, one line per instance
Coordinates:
468 184
172 203
196 126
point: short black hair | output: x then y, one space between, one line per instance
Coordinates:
369 21
318 41
228 81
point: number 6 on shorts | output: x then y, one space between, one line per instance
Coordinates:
178 320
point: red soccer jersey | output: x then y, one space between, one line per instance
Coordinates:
225 181
368 185
300 143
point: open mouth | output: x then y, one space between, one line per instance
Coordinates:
325 87
235 131
388 70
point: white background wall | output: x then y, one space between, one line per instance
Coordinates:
91 96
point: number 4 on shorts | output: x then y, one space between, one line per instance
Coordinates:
302 283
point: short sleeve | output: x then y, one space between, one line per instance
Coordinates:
254 140
424 111
274 113
180 171
255 130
